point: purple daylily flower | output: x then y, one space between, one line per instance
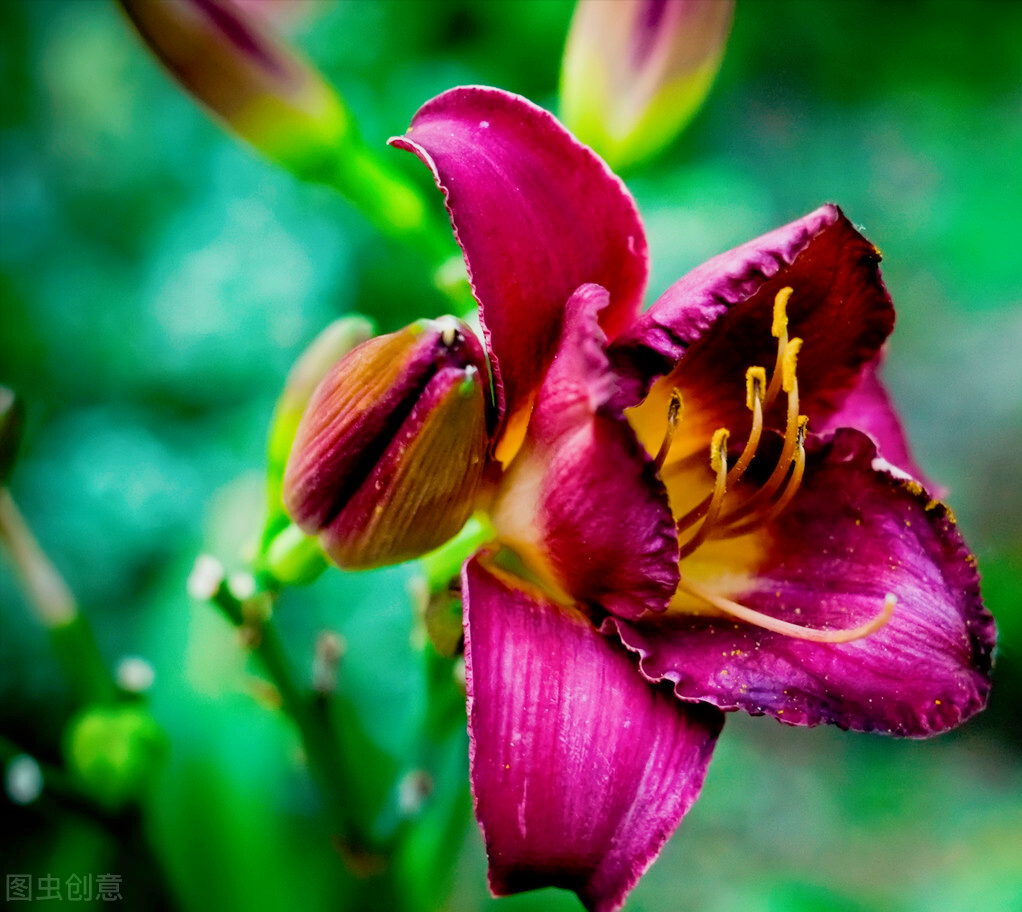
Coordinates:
706 507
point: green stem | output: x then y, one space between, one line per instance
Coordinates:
444 564
390 201
54 605
315 727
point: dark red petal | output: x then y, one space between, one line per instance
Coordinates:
719 317
854 533
581 770
537 214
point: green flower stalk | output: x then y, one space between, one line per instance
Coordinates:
55 607
636 71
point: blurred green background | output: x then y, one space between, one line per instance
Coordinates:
158 279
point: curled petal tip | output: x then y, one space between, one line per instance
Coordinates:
536 214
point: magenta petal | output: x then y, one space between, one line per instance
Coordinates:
537 214
854 533
582 493
581 770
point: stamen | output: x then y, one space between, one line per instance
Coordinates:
673 419
718 450
790 489
755 382
779 330
789 363
718 462
780 325
791 435
785 628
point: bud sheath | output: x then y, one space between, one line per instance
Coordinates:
390 453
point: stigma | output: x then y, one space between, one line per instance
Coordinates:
729 511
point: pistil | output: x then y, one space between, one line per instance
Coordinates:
786 628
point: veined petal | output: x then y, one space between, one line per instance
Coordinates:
581 503
537 214
856 531
581 770
719 317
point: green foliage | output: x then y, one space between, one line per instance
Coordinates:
157 280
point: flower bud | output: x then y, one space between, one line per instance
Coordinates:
636 71
115 751
332 344
255 83
389 455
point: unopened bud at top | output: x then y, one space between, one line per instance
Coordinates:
231 62
389 456
636 71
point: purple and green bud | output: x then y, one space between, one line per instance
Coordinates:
259 87
389 456
228 58
636 71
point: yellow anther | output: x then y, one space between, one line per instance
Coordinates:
674 409
803 427
673 420
755 386
789 364
780 323
718 450
779 329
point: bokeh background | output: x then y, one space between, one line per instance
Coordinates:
158 279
